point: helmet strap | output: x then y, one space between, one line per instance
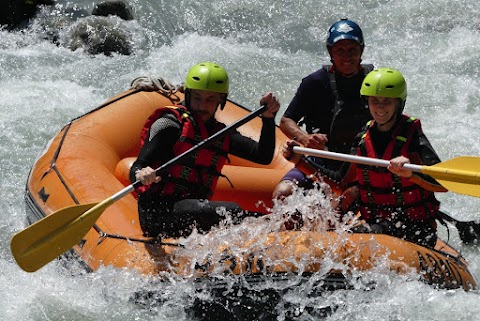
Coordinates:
187 98
224 102
402 107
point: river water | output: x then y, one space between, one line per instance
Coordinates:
265 46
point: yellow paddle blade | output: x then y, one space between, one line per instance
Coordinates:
459 175
50 237
461 188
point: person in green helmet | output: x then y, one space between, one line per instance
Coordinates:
172 204
395 200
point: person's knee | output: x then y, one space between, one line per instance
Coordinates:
283 189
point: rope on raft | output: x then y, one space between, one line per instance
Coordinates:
150 83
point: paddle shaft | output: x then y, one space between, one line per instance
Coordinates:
442 173
352 158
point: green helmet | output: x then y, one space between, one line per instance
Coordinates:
384 82
207 76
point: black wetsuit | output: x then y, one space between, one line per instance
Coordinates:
328 103
176 217
315 102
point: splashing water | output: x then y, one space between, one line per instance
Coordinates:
265 46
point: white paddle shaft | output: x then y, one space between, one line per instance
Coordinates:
352 158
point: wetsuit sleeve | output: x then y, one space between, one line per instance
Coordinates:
298 107
158 146
345 175
336 176
426 155
312 103
261 152
425 150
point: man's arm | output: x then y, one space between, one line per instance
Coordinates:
261 152
290 128
158 146
310 96
293 131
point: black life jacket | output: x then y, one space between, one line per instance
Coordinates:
347 117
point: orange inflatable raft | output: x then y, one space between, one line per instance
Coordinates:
88 161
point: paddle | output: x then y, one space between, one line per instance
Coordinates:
48 238
459 175
468 231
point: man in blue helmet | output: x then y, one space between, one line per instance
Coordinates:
328 103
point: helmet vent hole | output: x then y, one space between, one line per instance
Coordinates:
389 86
207 76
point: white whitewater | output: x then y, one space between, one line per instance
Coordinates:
265 46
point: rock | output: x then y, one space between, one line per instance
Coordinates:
113 7
99 35
67 24
103 33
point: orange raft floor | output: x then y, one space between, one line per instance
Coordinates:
88 161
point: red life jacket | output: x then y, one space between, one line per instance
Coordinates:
384 195
195 175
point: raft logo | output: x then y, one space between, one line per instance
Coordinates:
435 270
230 263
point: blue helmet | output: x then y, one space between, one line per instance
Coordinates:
344 29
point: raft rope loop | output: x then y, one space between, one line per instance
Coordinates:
159 84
